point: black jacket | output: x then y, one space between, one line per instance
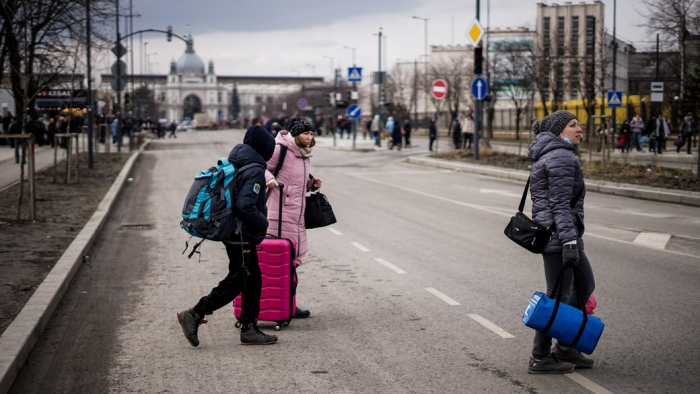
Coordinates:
250 192
555 180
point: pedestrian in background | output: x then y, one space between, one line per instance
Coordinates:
244 276
467 131
407 132
558 190
367 128
388 129
173 130
686 132
432 132
661 131
295 175
637 126
456 133
623 141
396 136
376 127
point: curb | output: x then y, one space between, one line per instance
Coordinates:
617 189
18 340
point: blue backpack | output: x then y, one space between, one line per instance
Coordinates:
208 209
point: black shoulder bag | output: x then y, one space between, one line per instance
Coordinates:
528 234
318 212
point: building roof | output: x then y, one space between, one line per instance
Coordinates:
189 62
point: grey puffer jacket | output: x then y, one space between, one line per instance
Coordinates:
556 178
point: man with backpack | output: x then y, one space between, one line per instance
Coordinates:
244 272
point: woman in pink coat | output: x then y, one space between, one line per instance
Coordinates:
294 174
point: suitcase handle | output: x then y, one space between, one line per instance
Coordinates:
279 223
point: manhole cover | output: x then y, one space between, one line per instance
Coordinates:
136 227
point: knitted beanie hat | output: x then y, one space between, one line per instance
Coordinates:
553 123
297 126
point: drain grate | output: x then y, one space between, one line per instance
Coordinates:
137 226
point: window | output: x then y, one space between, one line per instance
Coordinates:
560 36
219 97
573 92
574 35
590 35
545 37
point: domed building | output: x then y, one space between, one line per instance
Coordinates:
192 89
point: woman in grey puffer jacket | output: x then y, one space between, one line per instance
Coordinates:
558 190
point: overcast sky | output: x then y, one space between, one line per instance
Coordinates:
281 37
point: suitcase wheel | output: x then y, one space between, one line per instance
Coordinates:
278 327
285 323
238 324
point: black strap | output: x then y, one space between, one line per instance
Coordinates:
557 290
280 159
521 207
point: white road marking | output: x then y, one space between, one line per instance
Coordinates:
498 330
358 246
390 266
500 192
442 296
334 231
494 210
587 383
653 240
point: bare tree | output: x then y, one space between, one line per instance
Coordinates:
513 81
399 92
455 71
675 20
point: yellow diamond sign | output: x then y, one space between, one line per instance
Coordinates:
475 32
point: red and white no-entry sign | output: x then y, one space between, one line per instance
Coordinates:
439 89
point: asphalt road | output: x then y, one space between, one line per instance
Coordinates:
415 289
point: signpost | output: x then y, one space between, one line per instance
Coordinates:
474 32
354 74
614 99
302 103
438 90
657 92
479 88
354 111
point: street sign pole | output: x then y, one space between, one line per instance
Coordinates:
89 85
119 91
477 126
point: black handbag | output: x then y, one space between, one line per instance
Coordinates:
318 212
528 234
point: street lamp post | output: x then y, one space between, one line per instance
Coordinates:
354 89
313 69
614 63
332 73
425 65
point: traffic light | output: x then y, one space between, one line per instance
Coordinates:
170 33
348 95
331 98
478 60
127 99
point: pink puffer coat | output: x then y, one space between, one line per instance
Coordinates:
294 174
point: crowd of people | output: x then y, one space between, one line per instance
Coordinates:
655 133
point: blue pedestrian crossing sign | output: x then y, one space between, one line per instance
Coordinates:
355 74
614 98
354 111
479 88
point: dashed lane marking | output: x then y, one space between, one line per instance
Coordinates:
359 246
653 240
495 210
442 296
334 231
390 266
587 383
498 330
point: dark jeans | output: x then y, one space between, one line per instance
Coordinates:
467 137
407 138
636 141
585 285
432 139
246 280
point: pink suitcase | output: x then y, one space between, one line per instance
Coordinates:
278 268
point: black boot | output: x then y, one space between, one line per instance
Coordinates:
301 313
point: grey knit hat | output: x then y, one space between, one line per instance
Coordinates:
553 123
297 126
